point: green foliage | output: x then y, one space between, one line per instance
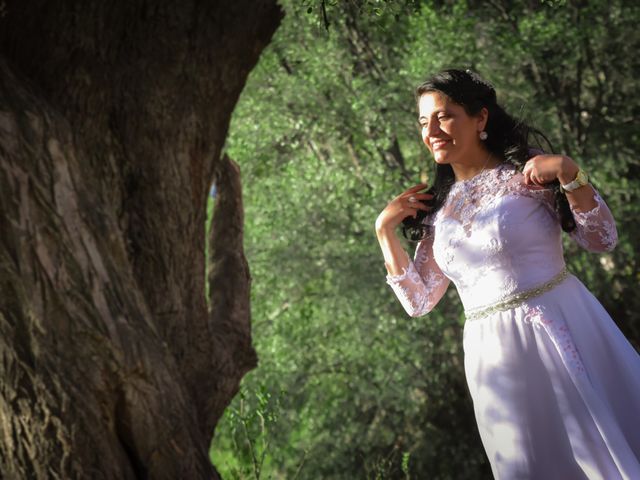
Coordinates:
250 421
325 134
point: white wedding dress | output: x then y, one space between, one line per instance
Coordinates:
555 384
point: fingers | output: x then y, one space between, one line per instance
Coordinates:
416 200
542 169
532 178
412 197
416 188
409 202
526 171
532 174
420 206
402 207
424 195
418 196
411 208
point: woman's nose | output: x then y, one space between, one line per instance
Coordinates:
433 128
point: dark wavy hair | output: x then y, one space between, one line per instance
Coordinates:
508 139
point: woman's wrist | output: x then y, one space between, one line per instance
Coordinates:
568 170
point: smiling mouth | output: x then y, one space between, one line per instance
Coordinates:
438 144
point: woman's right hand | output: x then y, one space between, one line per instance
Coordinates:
404 205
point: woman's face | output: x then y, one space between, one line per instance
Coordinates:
447 130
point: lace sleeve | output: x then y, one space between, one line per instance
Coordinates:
421 284
596 229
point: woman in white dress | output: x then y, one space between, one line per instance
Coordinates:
555 384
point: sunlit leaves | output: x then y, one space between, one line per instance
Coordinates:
369 391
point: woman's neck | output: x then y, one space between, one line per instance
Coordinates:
469 170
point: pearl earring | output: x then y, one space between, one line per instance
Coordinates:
483 135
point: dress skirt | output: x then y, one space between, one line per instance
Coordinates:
556 389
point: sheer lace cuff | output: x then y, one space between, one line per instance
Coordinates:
418 295
595 229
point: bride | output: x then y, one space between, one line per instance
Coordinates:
554 383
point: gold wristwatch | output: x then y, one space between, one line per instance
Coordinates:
580 181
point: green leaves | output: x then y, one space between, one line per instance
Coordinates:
325 135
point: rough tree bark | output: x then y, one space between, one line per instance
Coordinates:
113 116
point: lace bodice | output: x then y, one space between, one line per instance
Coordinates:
493 237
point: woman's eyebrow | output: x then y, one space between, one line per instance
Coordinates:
435 112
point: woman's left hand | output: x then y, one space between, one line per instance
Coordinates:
546 168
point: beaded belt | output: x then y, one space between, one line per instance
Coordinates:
516 299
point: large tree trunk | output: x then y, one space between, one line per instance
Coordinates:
112 121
